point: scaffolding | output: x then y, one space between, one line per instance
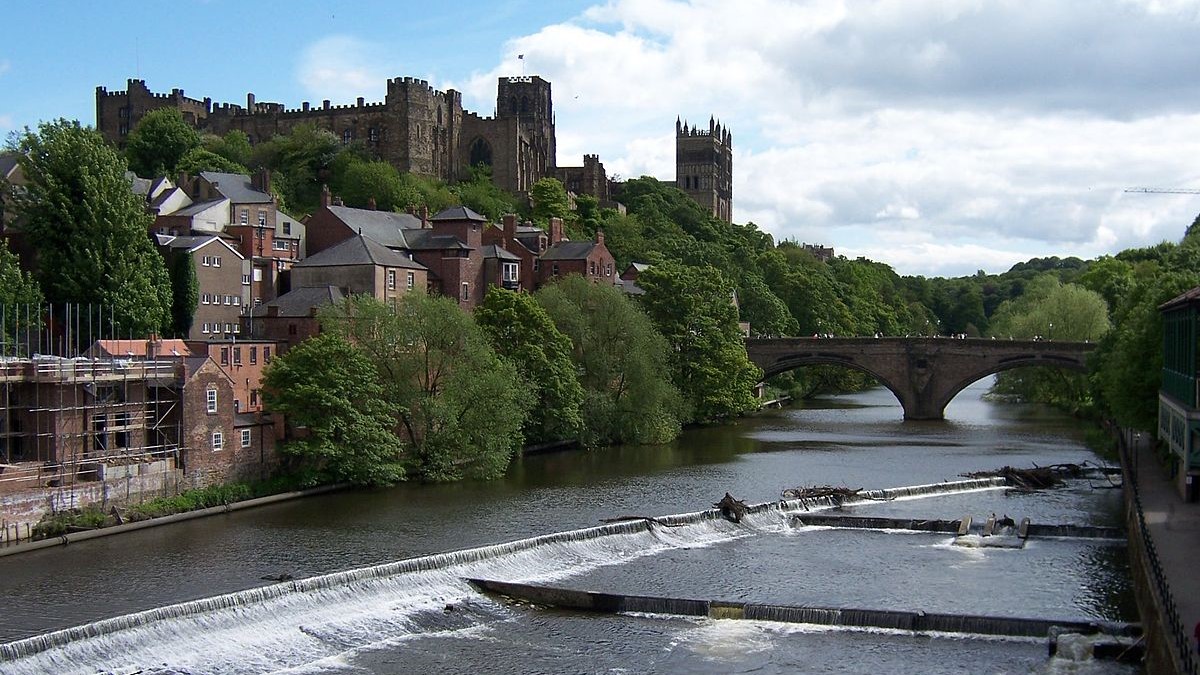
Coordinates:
81 425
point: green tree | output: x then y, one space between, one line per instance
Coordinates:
200 159
185 293
330 390
18 290
483 196
458 407
364 181
693 309
1050 309
233 146
623 361
159 141
550 200
522 332
89 230
304 157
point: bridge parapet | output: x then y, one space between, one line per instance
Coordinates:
925 373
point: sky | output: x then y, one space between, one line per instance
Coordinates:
939 137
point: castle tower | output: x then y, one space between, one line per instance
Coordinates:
526 99
704 166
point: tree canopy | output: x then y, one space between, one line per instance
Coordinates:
90 232
161 139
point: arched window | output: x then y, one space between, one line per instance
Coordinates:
481 152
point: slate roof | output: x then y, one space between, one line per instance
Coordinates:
456 213
360 250
425 240
8 162
494 251
299 301
196 208
236 187
384 227
166 349
140 186
569 250
630 287
1185 298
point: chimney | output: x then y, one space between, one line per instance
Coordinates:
337 201
556 230
599 237
371 204
424 216
261 180
510 229
326 197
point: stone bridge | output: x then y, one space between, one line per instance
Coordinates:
924 373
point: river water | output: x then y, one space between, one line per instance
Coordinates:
409 612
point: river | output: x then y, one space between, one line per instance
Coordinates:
404 619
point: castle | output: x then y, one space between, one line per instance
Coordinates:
419 129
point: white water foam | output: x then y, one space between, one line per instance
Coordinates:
317 622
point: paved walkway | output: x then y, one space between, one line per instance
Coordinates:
1175 528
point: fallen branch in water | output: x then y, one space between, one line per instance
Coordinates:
1037 478
731 509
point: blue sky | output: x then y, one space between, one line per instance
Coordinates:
938 136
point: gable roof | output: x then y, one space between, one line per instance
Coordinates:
8 164
236 187
569 250
360 250
384 227
459 213
494 251
193 242
425 240
299 302
197 208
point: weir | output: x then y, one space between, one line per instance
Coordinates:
382 600
615 603
1066 531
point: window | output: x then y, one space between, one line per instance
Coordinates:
281 245
206 260
411 281
253 355
592 268
237 356
237 328
466 291
229 328
391 280
266 354
253 397
262 218
291 329
245 279
554 269
347 136
373 133
509 272
537 264
224 356
257 274
608 270
204 298
216 261
287 227
218 441
245 438
204 328
211 400
245 216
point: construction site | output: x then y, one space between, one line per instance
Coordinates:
89 419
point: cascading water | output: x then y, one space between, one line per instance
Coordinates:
292 624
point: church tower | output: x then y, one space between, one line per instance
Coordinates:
704 166
527 100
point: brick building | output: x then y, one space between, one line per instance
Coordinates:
589 259
219 275
360 265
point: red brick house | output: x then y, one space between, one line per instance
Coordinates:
243 361
360 265
589 259
292 317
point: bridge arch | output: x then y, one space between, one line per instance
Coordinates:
925 374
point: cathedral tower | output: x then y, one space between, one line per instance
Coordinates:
704 166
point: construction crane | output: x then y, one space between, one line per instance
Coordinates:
1166 191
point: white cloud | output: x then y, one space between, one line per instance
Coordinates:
965 135
342 68
6 123
5 66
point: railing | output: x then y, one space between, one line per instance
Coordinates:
1175 629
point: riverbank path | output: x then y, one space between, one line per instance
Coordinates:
1175 528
